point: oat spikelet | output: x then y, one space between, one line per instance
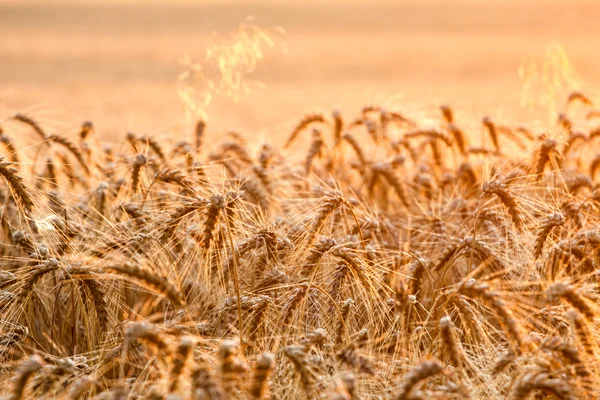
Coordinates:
418 373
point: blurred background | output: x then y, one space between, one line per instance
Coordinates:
117 62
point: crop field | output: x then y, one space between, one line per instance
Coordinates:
326 200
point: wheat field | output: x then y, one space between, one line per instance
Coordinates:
391 250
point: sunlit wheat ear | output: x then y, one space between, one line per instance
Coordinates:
87 129
338 126
32 123
503 362
592 114
343 323
386 171
569 354
417 374
180 358
494 301
205 384
582 331
316 254
594 166
151 280
561 290
303 124
24 373
552 220
291 305
431 134
315 150
578 182
95 290
80 387
257 318
308 377
579 97
507 198
13 155
543 156
458 137
146 332
492 131
329 204
216 205
139 162
565 123
34 276
353 357
154 146
348 137
233 368
574 139
17 186
450 345
238 149
199 134
541 381
447 113
260 379
72 148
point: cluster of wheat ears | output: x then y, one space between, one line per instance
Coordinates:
388 261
